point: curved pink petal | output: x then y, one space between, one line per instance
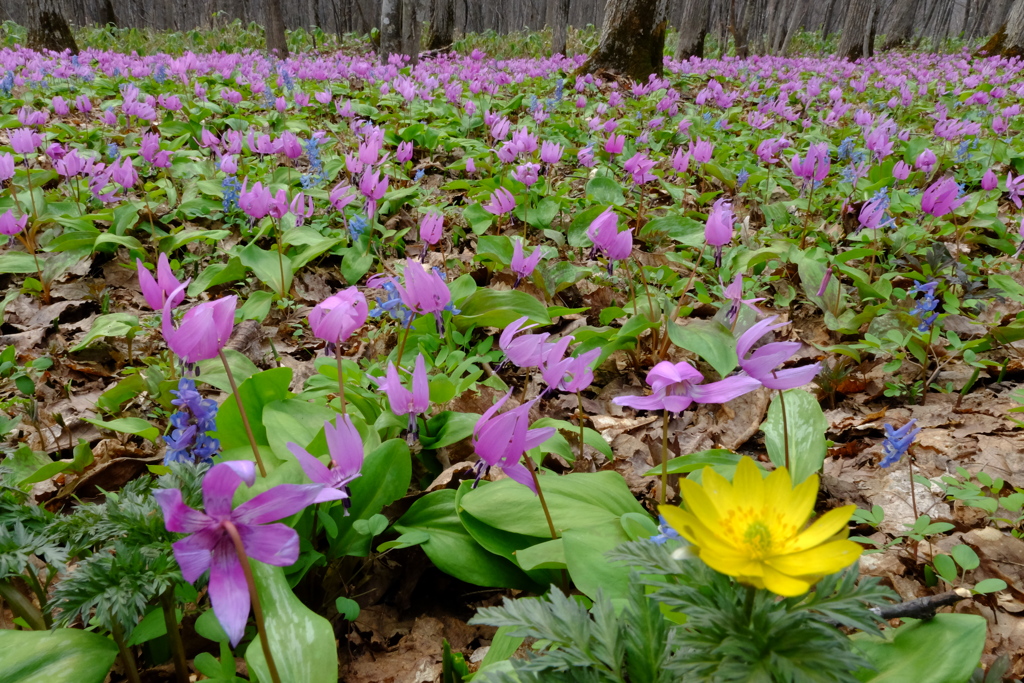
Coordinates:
195 553
178 517
791 378
420 386
276 544
655 401
229 593
317 472
724 390
345 446
219 486
756 331
768 357
538 435
284 500
520 473
485 419
151 291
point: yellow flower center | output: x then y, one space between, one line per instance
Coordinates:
758 537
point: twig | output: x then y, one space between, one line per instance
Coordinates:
922 608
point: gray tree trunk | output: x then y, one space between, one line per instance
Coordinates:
1014 44
390 28
693 28
557 19
276 43
442 25
855 28
47 27
411 29
901 24
632 39
795 22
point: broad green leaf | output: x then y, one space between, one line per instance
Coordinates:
452 549
127 425
944 649
256 392
268 267
212 371
109 325
585 550
807 426
18 262
301 641
447 428
65 655
605 191
710 340
217 274
720 459
493 308
293 420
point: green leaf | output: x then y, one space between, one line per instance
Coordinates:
301 641
406 540
18 262
116 396
452 549
208 627
217 274
347 608
212 371
944 649
64 655
990 586
591 571
710 340
127 425
151 627
807 426
447 428
267 266
256 392
257 306
493 308
386 475
605 191
722 460
293 420
965 557
109 325
946 568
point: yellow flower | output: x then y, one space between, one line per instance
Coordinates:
754 529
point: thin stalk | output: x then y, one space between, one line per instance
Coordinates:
785 428
131 670
401 344
174 637
579 401
33 581
748 605
913 495
22 606
807 218
547 513
679 306
241 411
254 598
280 258
664 459
28 182
341 377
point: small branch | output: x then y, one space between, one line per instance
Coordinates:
922 608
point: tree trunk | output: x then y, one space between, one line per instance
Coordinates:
901 25
693 28
442 25
390 28
47 27
276 43
1013 45
795 21
557 19
410 29
855 29
632 39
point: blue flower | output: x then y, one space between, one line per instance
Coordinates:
197 416
161 74
316 174
231 188
419 175
667 533
392 305
897 441
924 308
357 226
846 148
113 151
7 83
741 179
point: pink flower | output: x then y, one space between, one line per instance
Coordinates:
1013 186
25 141
228 164
502 202
203 332
814 166
872 213
719 228
550 152
301 207
941 197
567 374
501 441
989 181
341 195
586 157
639 166
702 151
6 167
901 171
607 239
404 152
345 447
926 161
524 351
157 291
762 363
290 145
402 400
680 161
527 173
734 293
255 202
9 225
338 316
615 144
431 227
677 386
424 292
522 265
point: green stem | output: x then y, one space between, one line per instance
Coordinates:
341 377
748 606
174 636
785 429
582 416
22 606
401 344
131 670
532 466
254 598
33 582
280 258
241 411
664 459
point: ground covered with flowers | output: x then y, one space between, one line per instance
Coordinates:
479 270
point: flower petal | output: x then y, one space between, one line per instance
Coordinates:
229 593
276 544
179 517
195 553
219 486
786 586
520 473
284 500
826 526
827 558
314 469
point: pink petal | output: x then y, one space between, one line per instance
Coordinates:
314 469
229 593
284 500
724 390
219 486
276 544
420 386
194 553
791 378
179 517
520 473
345 446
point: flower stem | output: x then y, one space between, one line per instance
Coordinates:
401 344
280 258
679 306
785 429
341 377
21 606
254 598
913 495
174 636
241 411
582 416
664 459
127 658
540 494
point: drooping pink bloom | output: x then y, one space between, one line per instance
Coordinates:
228 164
338 316
550 152
989 181
565 372
639 166
156 291
608 240
255 202
615 144
586 157
25 141
373 188
941 197
501 440
431 227
762 363
719 227
301 207
502 202
210 546
527 173
341 195
680 161
9 225
205 329
814 166
522 265
734 293
6 166
345 447
926 161
901 171
1014 186
524 351
424 292
404 401
404 152
676 386
701 151
872 213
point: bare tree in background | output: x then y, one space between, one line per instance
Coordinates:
1013 45
390 28
693 28
857 30
632 39
901 24
47 27
557 19
276 43
442 25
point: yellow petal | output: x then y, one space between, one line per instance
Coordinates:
698 502
732 565
786 586
792 505
677 518
827 526
748 486
823 559
718 490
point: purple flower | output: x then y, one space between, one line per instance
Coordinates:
550 152
989 181
255 202
701 151
1013 186
523 265
677 386
567 374
25 141
680 161
814 166
608 240
196 418
431 227
525 351
502 202
639 166
210 546
6 167
926 161
335 318
941 197
719 227
897 442
9 225
527 173
424 292
404 152
901 171
402 400
615 143
762 362
345 447
156 291
734 293
872 213
204 330
501 441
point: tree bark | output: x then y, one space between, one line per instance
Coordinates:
901 25
1013 45
442 25
632 39
276 43
48 29
693 28
795 21
855 29
557 19
410 30
390 28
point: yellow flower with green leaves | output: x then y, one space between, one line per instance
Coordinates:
755 528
